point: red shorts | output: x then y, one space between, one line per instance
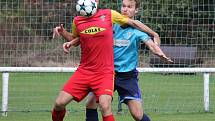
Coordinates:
80 84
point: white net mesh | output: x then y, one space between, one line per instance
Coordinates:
187 32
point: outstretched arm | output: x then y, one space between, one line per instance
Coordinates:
120 19
157 51
71 41
60 31
75 42
139 25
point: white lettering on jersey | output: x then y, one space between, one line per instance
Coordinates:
121 43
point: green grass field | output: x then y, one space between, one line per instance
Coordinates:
167 97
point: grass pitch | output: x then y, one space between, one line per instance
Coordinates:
167 97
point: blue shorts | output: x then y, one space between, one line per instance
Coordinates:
126 84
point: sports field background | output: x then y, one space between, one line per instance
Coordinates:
26 41
167 97
26 30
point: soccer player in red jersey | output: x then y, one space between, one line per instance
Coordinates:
96 70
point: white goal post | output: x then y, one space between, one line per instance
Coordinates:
6 70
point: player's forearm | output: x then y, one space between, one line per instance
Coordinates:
67 36
146 29
139 25
155 48
75 42
157 51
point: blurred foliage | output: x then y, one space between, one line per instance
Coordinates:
178 22
181 22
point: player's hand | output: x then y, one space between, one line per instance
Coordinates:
57 31
157 40
168 60
66 47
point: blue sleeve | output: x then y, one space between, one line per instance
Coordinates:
142 36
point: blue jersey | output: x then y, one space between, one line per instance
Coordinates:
126 44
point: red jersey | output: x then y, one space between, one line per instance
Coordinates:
96 39
95 72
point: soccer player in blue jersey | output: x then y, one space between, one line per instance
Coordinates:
126 44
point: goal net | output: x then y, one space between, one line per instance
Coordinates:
186 29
